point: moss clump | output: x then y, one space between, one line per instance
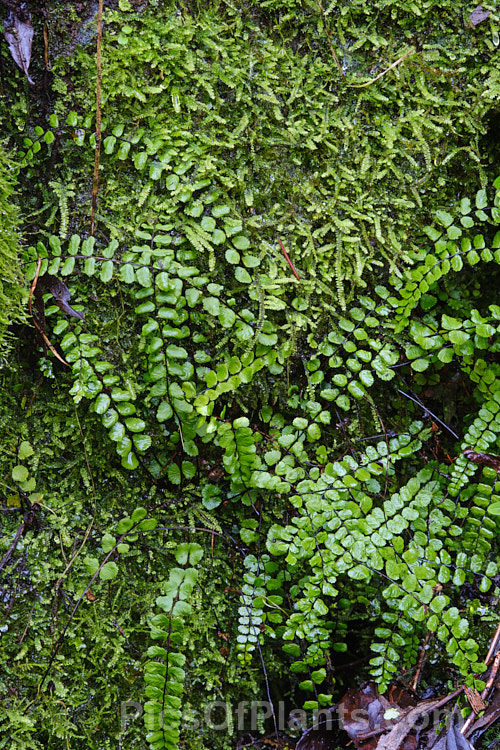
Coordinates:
11 290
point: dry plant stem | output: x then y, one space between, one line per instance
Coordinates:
13 546
421 661
493 674
58 644
492 677
46 46
468 723
433 71
89 528
493 645
328 36
423 406
34 394
27 624
292 267
30 306
369 83
95 183
404 725
61 638
33 285
487 688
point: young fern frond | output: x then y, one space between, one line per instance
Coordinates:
164 674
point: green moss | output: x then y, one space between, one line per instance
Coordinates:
11 291
254 103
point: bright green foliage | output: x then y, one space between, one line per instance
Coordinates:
165 678
338 170
206 378
10 272
454 243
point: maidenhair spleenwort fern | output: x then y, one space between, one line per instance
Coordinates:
164 674
452 246
203 334
369 521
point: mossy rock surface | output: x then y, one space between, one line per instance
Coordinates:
249 449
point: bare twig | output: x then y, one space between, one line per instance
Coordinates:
424 407
37 325
27 624
288 259
491 679
13 546
46 46
369 83
493 645
399 731
421 661
89 527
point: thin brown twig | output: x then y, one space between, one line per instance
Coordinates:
494 671
369 83
34 283
470 720
46 46
95 182
421 661
27 624
493 645
76 552
433 71
58 644
13 546
34 394
288 259
492 677
421 708
37 325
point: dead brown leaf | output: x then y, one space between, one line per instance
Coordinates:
61 294
478 15
361 714
19 36
475 700
452 739
489 717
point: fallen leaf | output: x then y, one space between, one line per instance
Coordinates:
363 714
359 713
19 36
61 294
478 15
475 700
452 740
491 715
